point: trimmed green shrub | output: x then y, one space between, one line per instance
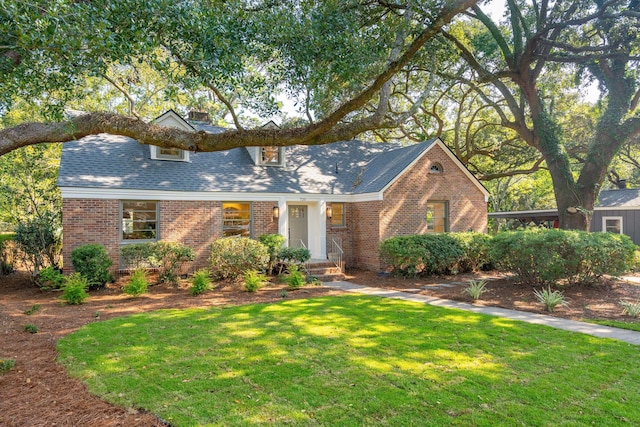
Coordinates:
50 278
167 257
547 256
200 282
420 254
476 251
75 289
274 243
34 308
137 284
137 255
92 261
292 256
254 280
231 256
294 278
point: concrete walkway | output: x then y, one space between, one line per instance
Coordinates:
631 337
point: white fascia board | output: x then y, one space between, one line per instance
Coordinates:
130 194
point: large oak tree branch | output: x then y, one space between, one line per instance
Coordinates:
323 132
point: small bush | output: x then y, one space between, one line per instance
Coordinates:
231 256
34 308
92 261
292 256
170 256
50 278
294 278
6 365
138 255
550 299
75 289
39 242
631 308
476 288
31 328
254 280
200 282
421 254
274 243
137 284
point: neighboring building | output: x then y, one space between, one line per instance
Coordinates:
617 211
350 194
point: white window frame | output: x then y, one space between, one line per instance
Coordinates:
604 223
280 161
156 155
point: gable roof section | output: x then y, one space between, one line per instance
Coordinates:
626 198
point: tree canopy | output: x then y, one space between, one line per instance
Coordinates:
335 56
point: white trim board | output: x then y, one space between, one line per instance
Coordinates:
132 194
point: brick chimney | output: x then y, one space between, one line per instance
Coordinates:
199 116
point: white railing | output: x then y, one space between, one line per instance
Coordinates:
335 253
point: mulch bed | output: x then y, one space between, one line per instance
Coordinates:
37 391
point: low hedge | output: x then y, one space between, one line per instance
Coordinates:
167 257
548 256
422 254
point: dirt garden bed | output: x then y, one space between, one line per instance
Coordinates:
37 391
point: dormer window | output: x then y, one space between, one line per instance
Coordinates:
271 156
164 153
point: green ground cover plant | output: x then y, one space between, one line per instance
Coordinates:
6 365
352 361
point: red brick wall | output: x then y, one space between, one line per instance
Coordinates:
403 210
263 222
366 234
344 234
89 221
193 223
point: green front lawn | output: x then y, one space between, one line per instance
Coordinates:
632 326
354 360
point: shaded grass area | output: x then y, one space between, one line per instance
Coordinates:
354 360
632 326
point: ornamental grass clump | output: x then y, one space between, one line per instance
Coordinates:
476 288
254 280
631 308
137 284
200 282
550 299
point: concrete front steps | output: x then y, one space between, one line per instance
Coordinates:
324 270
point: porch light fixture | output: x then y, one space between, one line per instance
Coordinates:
329 212
276 213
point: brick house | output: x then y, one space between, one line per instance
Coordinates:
347 196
